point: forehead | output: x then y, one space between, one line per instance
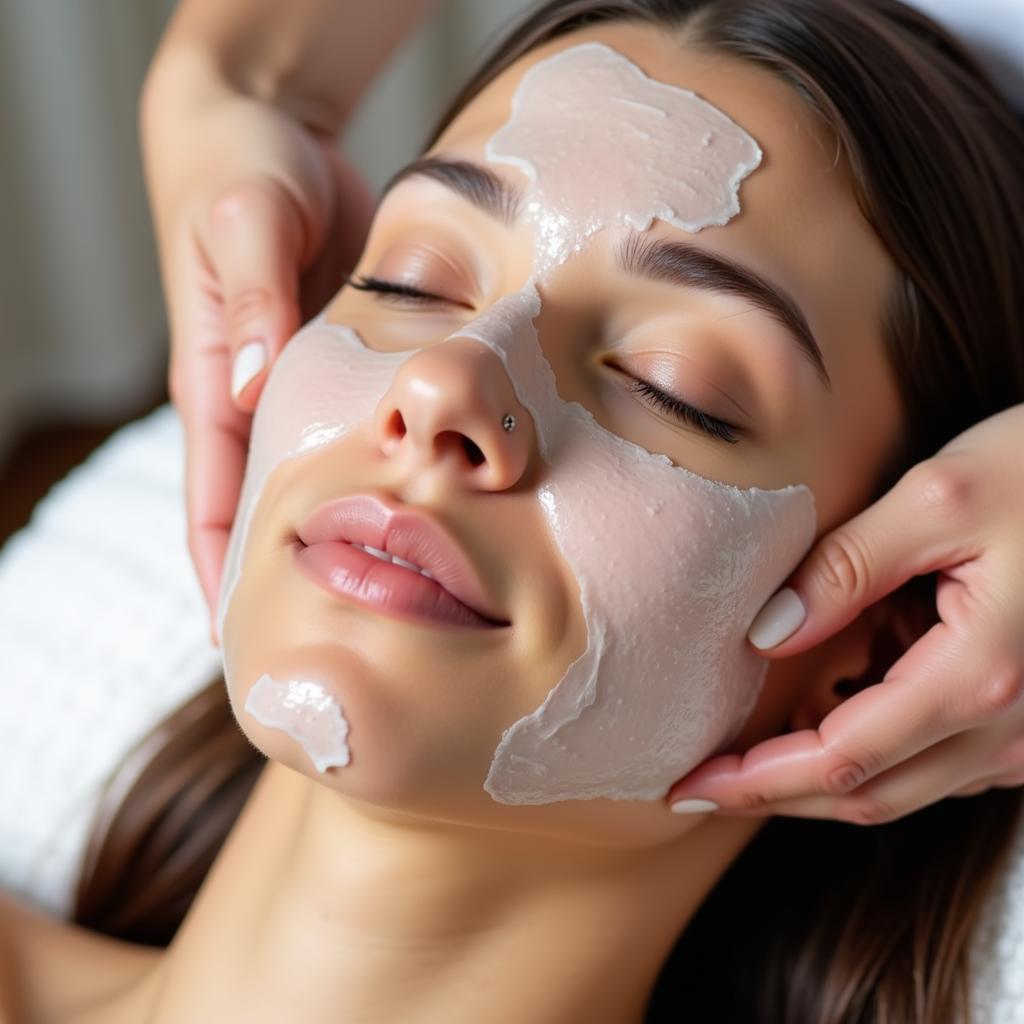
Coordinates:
760 103
801 190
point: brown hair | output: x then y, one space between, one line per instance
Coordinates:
816 922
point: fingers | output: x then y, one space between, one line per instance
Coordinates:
924 700
216 442
959 690
345 235
871 555
216 432
234 294
1010 774
930 776
255 240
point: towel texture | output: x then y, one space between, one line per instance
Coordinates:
102 634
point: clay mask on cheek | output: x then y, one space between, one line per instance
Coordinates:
324 385
671 567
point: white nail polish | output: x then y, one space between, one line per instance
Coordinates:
249 360
778 620
694 806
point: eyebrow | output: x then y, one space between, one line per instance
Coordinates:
691 267
678 263
478 185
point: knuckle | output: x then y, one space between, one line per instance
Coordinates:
248 304
942 488
751 801
845 571
844 776
1003 691
868 810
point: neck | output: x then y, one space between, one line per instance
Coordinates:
315 911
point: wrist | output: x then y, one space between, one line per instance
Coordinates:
184 76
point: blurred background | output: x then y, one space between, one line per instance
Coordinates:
83 337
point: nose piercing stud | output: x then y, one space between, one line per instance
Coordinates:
509 423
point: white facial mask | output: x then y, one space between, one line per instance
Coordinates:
574 109
307 712
671 567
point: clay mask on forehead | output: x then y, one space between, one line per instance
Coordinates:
601 142
671 567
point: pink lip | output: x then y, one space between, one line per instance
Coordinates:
455 595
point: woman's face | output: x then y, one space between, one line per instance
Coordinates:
431 700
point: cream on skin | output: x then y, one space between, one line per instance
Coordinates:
678 158
397 888
307 712
667 676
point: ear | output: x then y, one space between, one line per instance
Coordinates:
864 651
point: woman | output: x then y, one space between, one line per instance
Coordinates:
394 861
258 216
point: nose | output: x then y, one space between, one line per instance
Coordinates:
448 404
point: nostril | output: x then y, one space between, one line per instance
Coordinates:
473 452
396 426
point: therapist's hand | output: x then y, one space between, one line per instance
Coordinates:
948 717
258 219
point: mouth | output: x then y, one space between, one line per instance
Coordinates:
396 561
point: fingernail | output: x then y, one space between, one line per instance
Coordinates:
778 620
250 359
694 806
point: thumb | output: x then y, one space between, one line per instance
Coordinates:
921 526
255 241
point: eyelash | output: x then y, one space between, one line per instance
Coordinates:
406 294
396 292
689 414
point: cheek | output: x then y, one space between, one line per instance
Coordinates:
420 729
424 715
670 568
798 692
324 385
786 683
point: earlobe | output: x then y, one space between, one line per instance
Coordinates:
843 668
863 653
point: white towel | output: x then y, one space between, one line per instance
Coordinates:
997 960
102 634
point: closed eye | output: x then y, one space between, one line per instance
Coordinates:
399 293
406 294
688 414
